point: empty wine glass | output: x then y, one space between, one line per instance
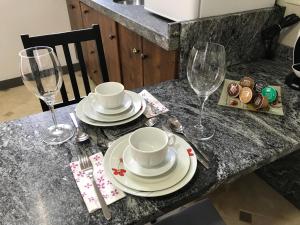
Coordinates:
42 75
206 71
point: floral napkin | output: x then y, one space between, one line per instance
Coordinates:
154 107
109 192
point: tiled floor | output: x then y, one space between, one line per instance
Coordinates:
252 195
249 194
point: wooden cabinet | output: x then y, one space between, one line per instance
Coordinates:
131 63
131 59
142 62
74 14
158 64
110 45
90 17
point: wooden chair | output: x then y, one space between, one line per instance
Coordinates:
63 39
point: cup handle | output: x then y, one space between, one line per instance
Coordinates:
171 139
93 97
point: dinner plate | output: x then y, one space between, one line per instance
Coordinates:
157 183
90 112
190 174
135 168
82 117
180 143
127 102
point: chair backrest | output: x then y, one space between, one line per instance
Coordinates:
75 37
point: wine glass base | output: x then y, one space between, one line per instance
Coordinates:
205 131
59 134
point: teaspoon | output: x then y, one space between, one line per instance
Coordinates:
80 135
177 127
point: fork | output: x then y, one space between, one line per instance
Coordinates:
87 166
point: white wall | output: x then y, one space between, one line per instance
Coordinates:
31 17
288 36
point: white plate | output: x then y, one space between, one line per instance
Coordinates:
81 116
182 143
126 104
135 168
148 183
92 114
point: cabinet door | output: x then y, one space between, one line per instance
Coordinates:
109 37
108 29
74 14
130 46
159 65
89 17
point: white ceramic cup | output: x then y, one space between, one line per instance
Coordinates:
149 146
296 69
109 95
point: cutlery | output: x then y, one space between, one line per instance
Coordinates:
203 162
148 123
175 125
86 165
80 135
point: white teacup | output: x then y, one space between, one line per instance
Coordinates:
296 69
109 95
149 146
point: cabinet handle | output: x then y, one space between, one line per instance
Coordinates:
85 11
111 36
144 56
72 6
135 51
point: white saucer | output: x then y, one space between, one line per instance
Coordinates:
125 106
91 113
81 116
180 143
130 180
134 167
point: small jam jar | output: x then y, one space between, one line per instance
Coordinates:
270 93
260 102
247 82
234 89
246 95
259 85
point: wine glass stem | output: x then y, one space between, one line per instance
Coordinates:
51 107
202 100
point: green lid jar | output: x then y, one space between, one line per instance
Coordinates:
270 93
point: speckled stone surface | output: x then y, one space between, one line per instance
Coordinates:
37 186
161 31
285 53
240 33
284 174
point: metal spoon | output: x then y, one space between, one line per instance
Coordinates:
80 135
177 127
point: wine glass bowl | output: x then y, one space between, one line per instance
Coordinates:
205 72
42 75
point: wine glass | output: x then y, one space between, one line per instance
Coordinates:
42 75
206 71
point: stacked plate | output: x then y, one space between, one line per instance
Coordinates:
93 112
175 171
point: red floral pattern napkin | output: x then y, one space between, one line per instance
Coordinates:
109 192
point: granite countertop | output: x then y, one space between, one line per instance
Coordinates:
37 186
156 29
